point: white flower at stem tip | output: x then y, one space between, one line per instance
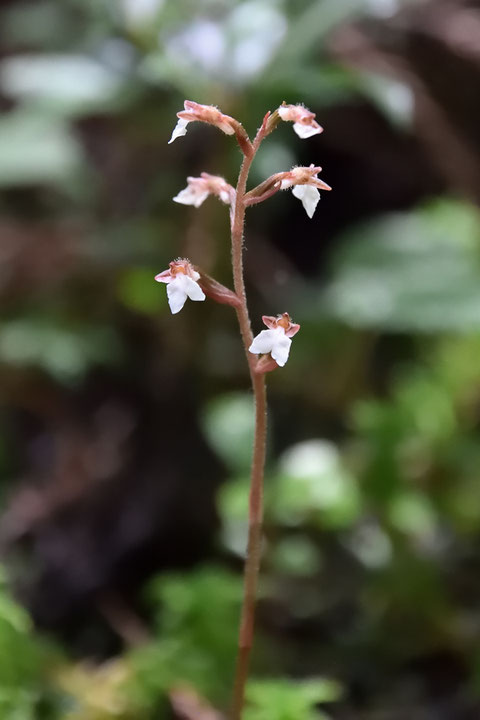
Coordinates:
304 122
276 340
199 188
203 113
181 280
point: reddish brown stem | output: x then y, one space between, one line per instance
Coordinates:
255 515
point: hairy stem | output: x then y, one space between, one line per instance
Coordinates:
255 514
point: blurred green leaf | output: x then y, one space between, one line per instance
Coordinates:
416 271
229 424
64 352
138 291
296 555
36 149
288 700
197 619
313 484
67 84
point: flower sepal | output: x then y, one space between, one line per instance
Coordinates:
216 291
265 365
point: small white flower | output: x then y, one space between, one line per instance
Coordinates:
276 340
199 188
304 122
305 186
309 196
203 113
181 280
191 195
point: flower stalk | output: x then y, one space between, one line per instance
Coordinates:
268 350
255 503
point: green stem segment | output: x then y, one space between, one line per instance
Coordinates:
255 514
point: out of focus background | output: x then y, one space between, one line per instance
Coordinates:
125 433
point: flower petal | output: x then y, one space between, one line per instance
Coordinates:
192 288
264 342
306 131
281 349
165 276
176 296
179 130
309 196
189 196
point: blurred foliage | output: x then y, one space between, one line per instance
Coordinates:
411 272
196 624
371 553
286 700
24 665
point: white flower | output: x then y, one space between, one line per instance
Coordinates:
199 188
203 113
309 196
304 122
276 340
305 184
181 279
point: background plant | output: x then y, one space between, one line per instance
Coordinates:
370 574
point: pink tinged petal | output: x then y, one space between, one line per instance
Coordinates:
322 185
176 295
285 113
225 127
309 196
305 131
190 196
269 321
164 277
179 130
263 343
292 330
281 349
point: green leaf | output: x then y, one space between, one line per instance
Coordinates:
229 425
416 271
312 484
37 149
288 700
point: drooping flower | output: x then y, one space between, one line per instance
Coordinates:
276 340
199 188
305 185
181 280
203 113
304 122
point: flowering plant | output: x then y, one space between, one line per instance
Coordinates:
270 348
